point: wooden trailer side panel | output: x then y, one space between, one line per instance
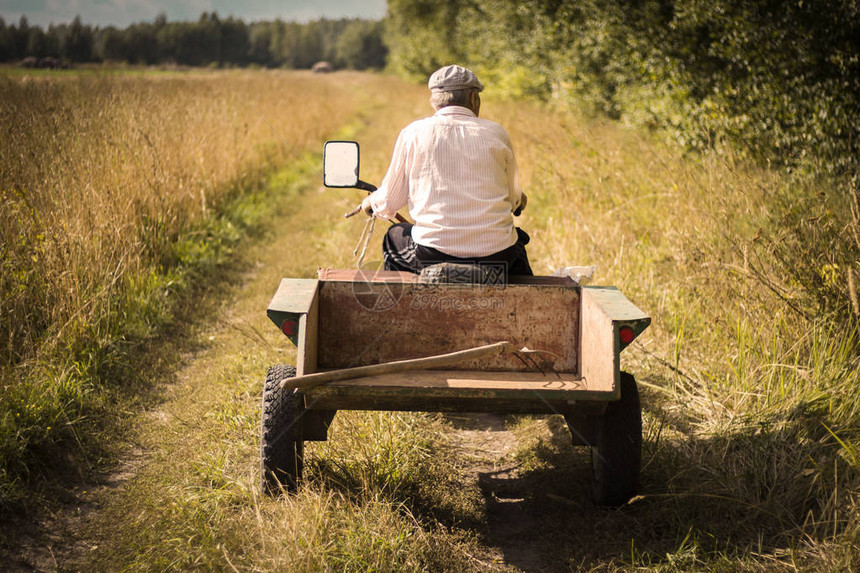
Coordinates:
297 301
604 312
347 323
374 322
599 354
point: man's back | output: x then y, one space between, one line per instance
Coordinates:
458 176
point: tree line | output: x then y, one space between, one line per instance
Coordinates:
211 40
780 80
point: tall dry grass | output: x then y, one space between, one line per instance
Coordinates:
102 175
114 190
751 446
750 370
750 455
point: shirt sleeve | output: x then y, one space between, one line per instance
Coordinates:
393 192
515 193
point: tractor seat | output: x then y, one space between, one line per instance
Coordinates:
463 273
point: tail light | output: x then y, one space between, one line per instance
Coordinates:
626 334
290 327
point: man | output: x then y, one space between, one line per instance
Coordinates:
458 175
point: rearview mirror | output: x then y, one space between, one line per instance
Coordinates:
340 164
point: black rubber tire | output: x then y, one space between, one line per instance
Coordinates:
617 457
281 443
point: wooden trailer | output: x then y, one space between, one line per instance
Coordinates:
525 345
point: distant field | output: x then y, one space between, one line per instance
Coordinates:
116 191
17 71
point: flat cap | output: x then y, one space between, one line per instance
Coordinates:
452 78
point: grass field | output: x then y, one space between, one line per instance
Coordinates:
115 191
124 197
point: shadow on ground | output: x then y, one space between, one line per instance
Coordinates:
740 500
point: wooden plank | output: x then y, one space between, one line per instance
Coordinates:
398 366
294 295
370 322
307 348
350 275
614 304
473 380
345 400
599 345
464 391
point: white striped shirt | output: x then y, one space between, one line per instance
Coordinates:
458 175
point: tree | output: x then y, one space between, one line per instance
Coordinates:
360 45
235 45
350 43
20 38
111 45
309 46
78 43
37 43
422 35
6 41
207 39
259 40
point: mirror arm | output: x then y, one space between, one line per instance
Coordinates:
364 186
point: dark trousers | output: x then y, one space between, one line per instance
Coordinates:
401 253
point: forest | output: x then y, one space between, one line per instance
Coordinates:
211 40
778 78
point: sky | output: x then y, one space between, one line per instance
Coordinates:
124 12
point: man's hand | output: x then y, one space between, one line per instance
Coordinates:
524 200
367 207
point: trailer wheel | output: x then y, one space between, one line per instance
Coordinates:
617 456
281 444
